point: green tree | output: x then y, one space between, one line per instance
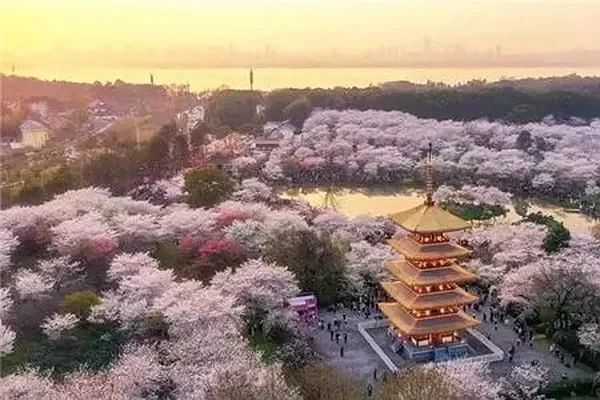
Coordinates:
119 172
168 131
157 157
59 180
207 186
232 108
318 264
297 111
558 236
199 134
181 152
80 303
322 382
524 140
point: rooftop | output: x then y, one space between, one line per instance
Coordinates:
410 325
417 251
409 274
424 301
429 218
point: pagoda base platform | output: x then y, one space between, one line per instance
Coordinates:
435 353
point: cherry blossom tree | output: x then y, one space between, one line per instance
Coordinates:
253 190
526 381
62 270
365 263
31 285
6 302
589 336
7 339
8 243
565 285
87 232
55 325
260 287
251 234
469 379
181 220
27 385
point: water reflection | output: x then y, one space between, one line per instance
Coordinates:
388 199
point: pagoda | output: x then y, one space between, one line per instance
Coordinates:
424 311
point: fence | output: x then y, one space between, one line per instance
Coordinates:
362 329
496 355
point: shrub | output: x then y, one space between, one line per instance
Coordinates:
80 303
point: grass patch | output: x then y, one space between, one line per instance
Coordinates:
92 346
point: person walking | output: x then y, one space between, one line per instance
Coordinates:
337 338
375 374
331 335
345 338
342 351
369 390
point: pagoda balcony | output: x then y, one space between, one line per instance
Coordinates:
412 326
412 250
413 276
425 301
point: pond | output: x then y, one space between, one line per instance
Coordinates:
353 202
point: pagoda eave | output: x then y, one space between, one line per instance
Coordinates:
425 301
426 252
412 326
429 218
411 275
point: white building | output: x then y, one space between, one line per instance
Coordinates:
34 134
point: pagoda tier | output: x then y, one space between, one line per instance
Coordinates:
418 327
441 299
414 276
413 250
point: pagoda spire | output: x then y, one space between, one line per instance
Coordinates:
429 176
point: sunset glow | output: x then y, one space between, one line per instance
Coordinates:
199 33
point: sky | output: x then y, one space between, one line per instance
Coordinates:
125 32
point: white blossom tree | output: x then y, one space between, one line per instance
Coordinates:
31 285
8 243
6 302
589 336
7 339
57 324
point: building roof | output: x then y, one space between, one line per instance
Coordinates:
413 250
411 275
425 301
31 125
429 218
410 325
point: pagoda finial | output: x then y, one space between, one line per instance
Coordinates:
429 176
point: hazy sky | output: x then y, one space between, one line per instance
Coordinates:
118 32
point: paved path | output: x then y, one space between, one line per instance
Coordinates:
360 360
505 335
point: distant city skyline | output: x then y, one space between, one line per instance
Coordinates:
235 33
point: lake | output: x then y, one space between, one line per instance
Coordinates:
274 78
375 202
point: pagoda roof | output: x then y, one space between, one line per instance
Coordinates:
429 218
413 250
411 275
424 301
410 325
